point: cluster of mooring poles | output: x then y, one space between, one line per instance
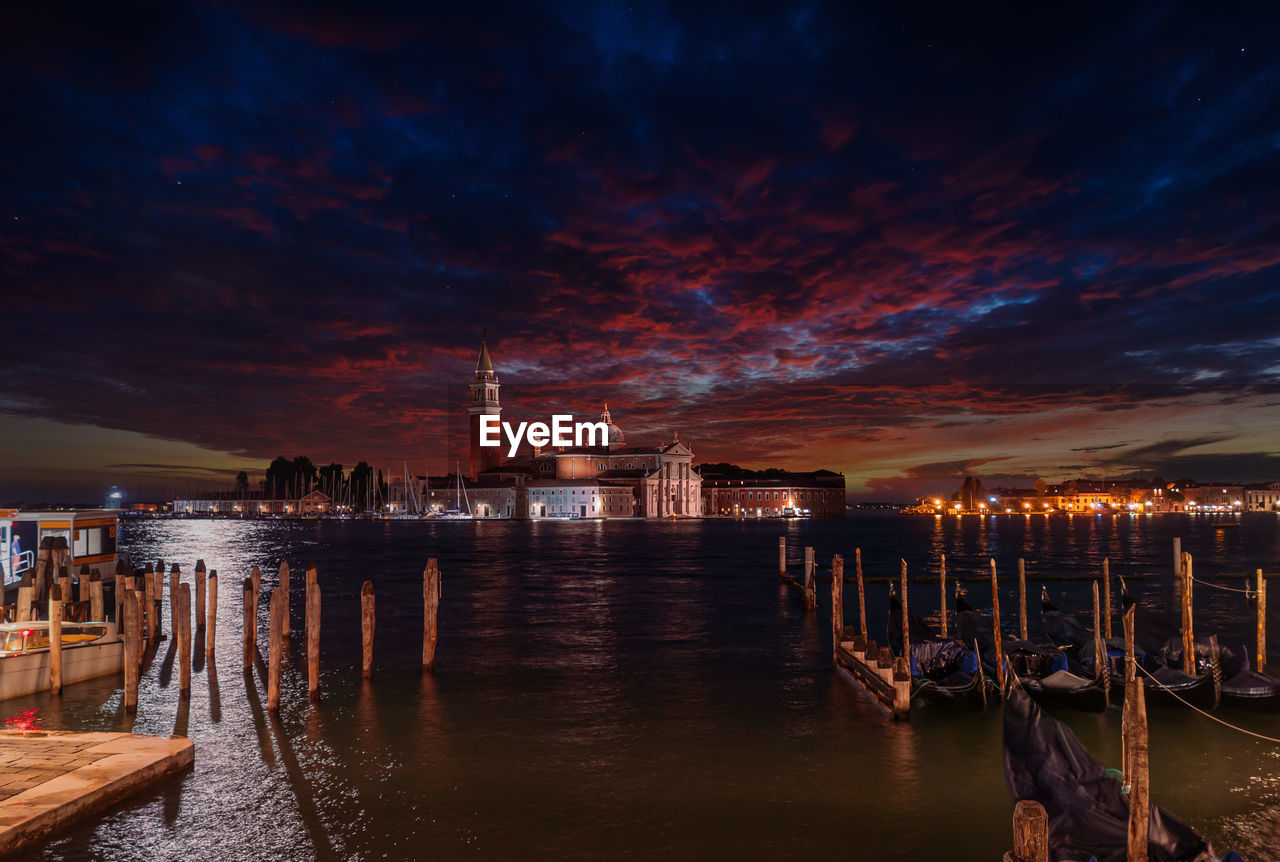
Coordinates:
887 678
138 614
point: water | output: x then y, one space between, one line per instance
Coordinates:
630 689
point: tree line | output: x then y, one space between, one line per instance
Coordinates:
293 478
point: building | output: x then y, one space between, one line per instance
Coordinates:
608 480
253 503
1262 498
730 491
1216 497
483 402
579 498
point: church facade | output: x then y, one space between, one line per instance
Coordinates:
612 480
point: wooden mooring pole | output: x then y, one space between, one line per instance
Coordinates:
1188 624
175 578
995 625
117 594
313 633
55 639
810 584
1106 597
1030 833
906 617
182 631
149 598
211 624
862 595
44 560
250 622
782 557
275 648
942 591
431 588
1101 669
201 577
1262 622
255 578
366 629
284 586
64 581
26 596
96 612
1137 772
132 649
1022 598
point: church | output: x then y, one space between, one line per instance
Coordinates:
613 480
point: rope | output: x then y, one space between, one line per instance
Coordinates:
1246 590
1170 691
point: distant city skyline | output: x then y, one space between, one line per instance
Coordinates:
902 243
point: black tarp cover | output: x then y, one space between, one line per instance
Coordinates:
975 627
1088 814
1064 629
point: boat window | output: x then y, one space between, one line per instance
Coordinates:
12 642
77 634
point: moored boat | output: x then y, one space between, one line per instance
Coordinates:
942 670
89 650
1088 808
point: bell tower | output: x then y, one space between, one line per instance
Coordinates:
483 402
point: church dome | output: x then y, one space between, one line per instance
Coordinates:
616 437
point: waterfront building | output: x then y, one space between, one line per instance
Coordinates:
1263 497
729 491
489 496
660 478
1213 497
252 503
580 498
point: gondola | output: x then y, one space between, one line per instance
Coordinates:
1252 690
1159 641
1088 809
1058 677
1045 670
943 670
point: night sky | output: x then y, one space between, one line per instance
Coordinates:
901 242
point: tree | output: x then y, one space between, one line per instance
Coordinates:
304 475
331 480
361 483
279 477
242 483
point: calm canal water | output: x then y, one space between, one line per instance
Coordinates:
630 689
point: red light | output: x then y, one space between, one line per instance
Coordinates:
26 633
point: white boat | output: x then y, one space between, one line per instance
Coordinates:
456 513
89 650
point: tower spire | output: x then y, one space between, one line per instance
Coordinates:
484 363
483 402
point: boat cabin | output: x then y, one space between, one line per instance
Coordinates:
19 638
90 536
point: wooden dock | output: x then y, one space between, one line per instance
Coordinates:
875 669
49 779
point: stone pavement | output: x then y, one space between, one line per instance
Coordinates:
50 778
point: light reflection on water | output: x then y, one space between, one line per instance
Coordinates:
626 689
